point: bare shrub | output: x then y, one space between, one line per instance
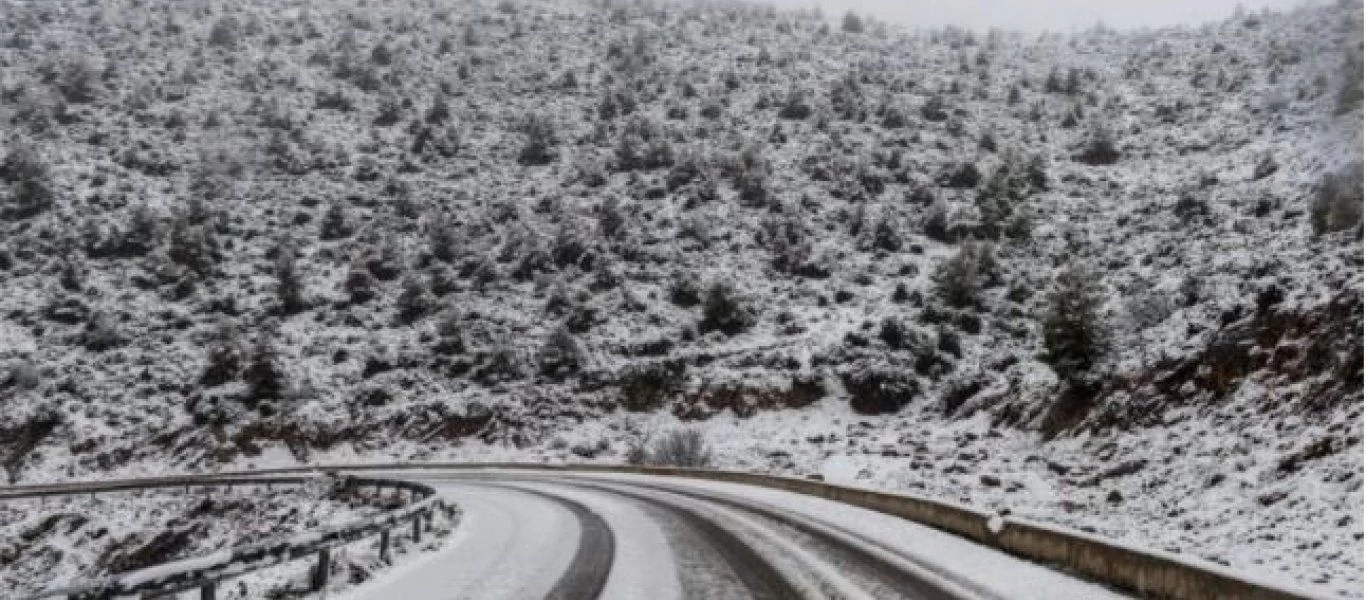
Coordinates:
685 447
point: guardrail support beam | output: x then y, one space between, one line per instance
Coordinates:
320 572
208 591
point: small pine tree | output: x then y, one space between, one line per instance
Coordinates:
852 23
31 191
141 234
1337 204
192 246
936 225
334 224
413 302
359 284
561 354
1100 148
1074 332
958 280
100 333
224 32
289 287
440 111
539 148
1349 95
263 375
450 339
224 357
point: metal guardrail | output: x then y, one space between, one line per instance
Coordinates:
205 573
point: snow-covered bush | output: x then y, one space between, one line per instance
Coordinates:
561 354
225 32
539 146
1099 147
413 303
31 190
723 310
879 389
648 386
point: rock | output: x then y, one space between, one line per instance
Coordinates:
991 481
1273 497
1114 497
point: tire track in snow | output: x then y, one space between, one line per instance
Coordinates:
895 571
587 573
759 576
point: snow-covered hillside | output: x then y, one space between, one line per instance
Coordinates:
1109 279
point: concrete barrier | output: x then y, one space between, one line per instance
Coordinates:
1144 572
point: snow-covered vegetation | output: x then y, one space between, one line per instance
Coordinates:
1108 279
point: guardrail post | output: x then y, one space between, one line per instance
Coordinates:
320 572
384 545
428 516
208 591
417 528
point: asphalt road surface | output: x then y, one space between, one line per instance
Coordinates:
529 535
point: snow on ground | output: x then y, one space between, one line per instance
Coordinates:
508 545
460 301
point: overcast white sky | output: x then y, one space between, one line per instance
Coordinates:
1037 15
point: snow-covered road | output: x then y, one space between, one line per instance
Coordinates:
556 535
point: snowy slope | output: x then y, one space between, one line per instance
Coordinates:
508 219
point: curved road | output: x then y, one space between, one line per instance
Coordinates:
527 535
